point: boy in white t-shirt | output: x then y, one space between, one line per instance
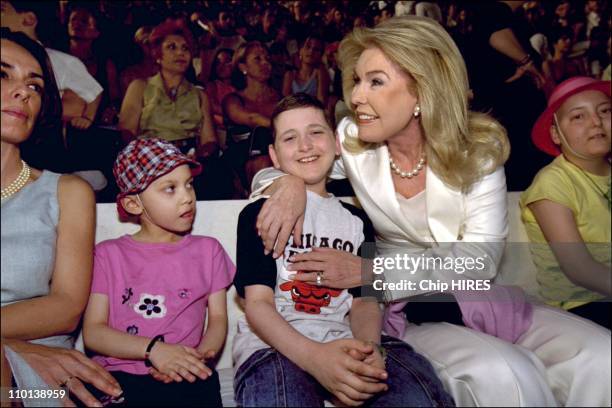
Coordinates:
300 344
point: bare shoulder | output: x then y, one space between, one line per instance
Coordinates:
136 87
74 191
203 96
232 100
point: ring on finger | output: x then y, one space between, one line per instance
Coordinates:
66 382
319 278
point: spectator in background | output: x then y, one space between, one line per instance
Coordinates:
565 16
84 31
404 8
280 60
146 67
428 9
533 15
607 73
218 34
248 110
169 107
225 30
560 67
166 105
310 77
335 77
265 31
592 15
220 85
502 73
335 24
302 19
384 14
597 54
79 106
80 97
360 21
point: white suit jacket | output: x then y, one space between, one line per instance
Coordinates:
471 224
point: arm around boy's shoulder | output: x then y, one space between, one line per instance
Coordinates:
368 228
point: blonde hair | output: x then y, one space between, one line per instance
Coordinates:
461 146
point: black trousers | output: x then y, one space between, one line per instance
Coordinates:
145 391
434 308
597 312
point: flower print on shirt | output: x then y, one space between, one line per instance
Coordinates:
151 306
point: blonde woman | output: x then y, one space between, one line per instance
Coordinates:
429 173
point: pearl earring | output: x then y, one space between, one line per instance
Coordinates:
244 73
417 111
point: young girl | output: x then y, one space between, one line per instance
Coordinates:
151 290
568 203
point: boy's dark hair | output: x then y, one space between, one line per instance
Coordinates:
295 101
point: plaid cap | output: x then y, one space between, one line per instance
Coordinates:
145 160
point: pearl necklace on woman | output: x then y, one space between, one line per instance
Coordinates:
18 183
407 174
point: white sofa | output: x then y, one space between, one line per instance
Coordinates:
219 218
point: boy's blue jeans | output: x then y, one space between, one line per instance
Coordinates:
269 379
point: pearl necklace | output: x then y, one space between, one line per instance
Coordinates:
18 183
407 174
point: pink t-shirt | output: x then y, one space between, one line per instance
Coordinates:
158 289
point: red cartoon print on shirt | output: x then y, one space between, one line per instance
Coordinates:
309 298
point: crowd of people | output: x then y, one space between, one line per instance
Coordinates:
239 59
432 116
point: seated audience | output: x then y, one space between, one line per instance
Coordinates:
310 76
248 110
83 32
169 107
146 67
560 67
220 85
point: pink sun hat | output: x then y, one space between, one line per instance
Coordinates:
540 134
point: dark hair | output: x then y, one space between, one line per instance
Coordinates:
39 8
169 27
42 10
557 33
314 37
215 62
51 105
295 101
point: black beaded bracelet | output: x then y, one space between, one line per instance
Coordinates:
150 347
